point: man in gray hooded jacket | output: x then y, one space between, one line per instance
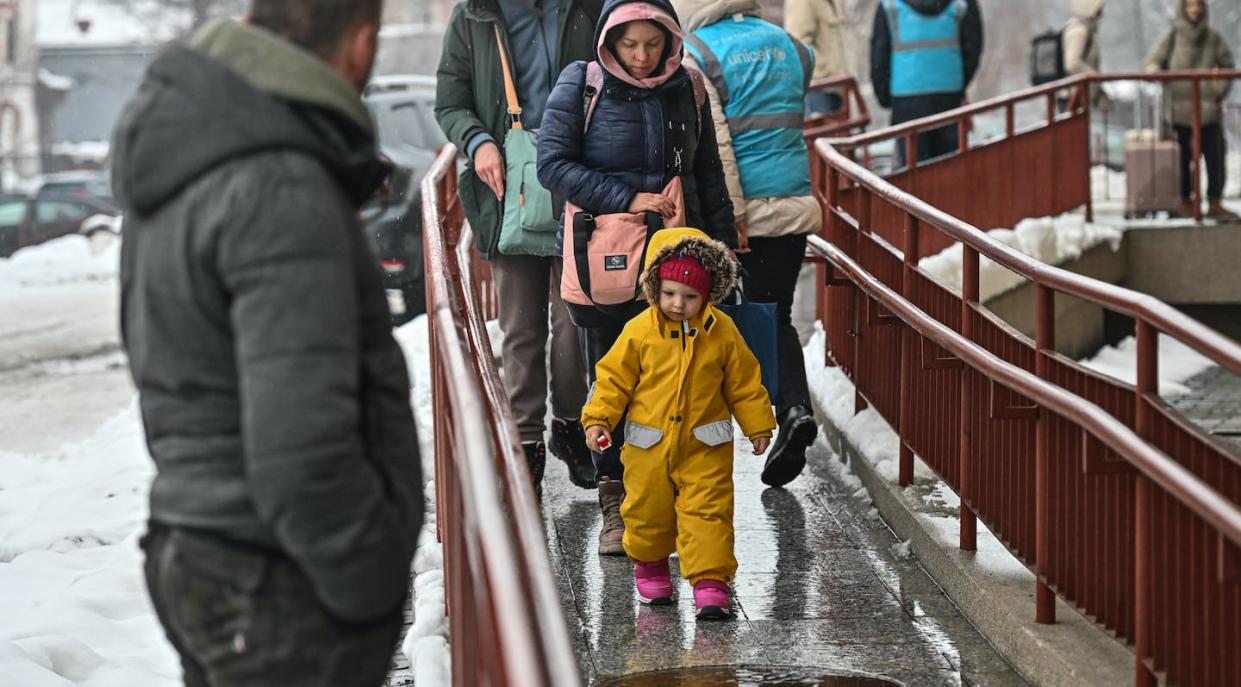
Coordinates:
287 500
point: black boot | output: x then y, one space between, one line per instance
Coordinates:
787 456
569 445
536 459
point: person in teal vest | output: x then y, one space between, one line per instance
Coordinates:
923 55
757 76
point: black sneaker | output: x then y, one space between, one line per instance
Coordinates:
787 456
536 459
569 445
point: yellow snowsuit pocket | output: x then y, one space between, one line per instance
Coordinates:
715 433
641 436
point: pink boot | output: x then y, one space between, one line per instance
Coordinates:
711 600
654 582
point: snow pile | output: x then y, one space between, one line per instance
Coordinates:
1177 363
1047 239
75 608
426 643
867 431
83 151
66 260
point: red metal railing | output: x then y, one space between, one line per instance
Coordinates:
1121 507
853 116
506 624
1036 171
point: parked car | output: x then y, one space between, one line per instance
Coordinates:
79 184
30 220
409 137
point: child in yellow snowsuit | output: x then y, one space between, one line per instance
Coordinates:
682 371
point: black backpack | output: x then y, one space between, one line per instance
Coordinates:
1047 57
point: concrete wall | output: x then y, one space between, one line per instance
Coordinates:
1188 265
1079 325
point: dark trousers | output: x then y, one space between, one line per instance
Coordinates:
1214 151
240 616
933 143
596 342
528 287
772 266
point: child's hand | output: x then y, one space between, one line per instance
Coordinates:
760 444
597 438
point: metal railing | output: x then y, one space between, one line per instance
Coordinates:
1032 171
1119 505
506 624
853 116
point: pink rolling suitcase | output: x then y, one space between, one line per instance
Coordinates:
1152 166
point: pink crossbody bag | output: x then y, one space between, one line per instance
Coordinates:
603 254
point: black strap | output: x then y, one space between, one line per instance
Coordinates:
1167 58
583 229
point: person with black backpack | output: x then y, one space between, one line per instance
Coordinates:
620 136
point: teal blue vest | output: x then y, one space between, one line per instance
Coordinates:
926 51
761 74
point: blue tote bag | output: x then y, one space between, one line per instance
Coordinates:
757 323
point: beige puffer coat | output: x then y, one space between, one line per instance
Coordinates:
1196 46
820 25
1081 38
762 217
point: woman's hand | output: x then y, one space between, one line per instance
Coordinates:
597 438
489 166
653 202
760 444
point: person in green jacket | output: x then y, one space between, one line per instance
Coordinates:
540 38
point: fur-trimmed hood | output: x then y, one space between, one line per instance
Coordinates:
713 255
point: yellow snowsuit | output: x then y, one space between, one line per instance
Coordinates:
681 383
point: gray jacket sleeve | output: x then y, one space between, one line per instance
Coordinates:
291 276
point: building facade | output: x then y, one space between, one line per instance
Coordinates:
19 85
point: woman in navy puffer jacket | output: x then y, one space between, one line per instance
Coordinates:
644 131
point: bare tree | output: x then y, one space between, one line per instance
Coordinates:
192 13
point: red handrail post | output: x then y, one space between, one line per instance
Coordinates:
1194 169
831 232
1143 593
911 151
855 244
1045 344
969 296
908 341
1085 91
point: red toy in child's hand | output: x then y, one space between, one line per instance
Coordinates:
604 442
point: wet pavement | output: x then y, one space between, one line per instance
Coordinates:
1214 404
823 589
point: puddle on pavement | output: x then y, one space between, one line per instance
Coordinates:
743 676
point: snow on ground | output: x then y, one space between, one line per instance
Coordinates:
75 608
1053 240
426 643
66 260
1177 363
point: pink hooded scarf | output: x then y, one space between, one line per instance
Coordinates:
640 11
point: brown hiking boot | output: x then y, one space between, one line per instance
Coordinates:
1219 213
611 494
1187 210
